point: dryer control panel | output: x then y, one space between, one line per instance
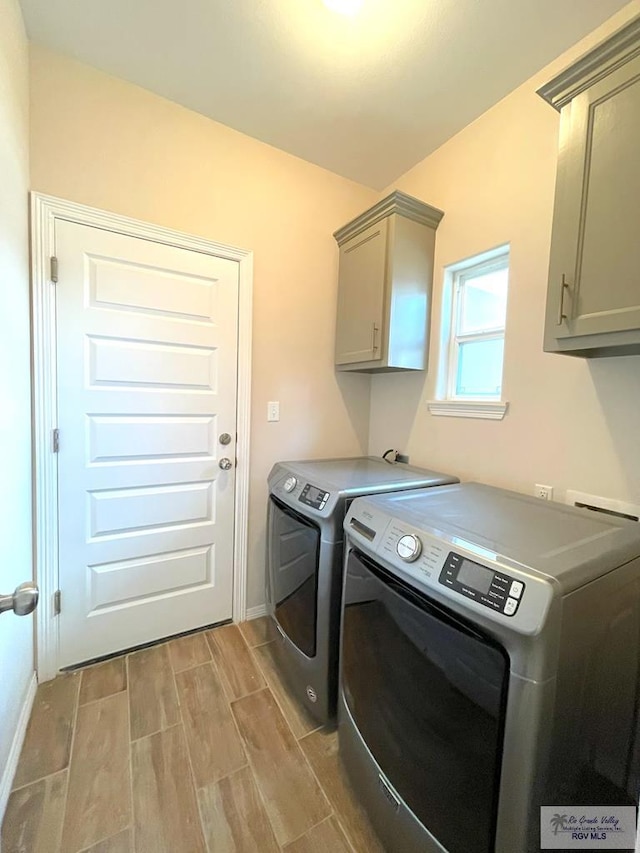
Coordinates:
492 588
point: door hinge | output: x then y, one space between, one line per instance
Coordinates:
57 605
53 274
55 440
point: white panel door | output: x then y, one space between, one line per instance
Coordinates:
147 370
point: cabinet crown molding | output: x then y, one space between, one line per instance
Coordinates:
609 55
396 202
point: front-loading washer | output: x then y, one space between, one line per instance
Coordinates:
490 664
307 503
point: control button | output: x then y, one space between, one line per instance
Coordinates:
516 589
511 606
289 484
409 547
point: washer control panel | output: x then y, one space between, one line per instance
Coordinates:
494 589
313 496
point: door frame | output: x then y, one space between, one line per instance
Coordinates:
45 210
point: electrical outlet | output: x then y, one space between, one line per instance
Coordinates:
402 457
545 493
273 411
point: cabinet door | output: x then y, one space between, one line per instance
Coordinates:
595 255
361 287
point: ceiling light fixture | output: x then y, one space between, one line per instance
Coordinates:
344 7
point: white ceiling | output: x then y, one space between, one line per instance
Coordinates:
366 97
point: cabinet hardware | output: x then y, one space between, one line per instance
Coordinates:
374 333
565 286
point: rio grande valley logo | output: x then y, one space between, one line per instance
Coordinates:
587 828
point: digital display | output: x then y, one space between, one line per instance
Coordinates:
475 576
312 496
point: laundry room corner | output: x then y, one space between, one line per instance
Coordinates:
495 181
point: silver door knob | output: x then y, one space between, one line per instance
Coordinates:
23 601
225 438
225 463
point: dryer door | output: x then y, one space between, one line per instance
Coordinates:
427 693
293 554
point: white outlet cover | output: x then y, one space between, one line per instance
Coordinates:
543 492
273 411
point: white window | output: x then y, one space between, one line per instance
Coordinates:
472 340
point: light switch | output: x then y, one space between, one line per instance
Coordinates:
273 411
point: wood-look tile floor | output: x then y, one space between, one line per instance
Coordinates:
190 746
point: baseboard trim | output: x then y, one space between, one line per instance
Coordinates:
256 612
16 747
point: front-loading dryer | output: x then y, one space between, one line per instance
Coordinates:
490 664
307 503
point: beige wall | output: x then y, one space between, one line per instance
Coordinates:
16 635
109 144
572 423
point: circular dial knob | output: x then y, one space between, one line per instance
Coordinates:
289 484
409 547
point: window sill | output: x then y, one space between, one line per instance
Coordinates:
494 410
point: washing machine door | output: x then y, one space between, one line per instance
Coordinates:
293 556
427 693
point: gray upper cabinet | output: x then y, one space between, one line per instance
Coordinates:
593 302
384 287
